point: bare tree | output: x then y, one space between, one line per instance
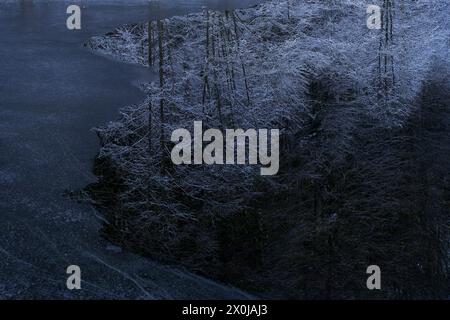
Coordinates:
150 43
386 72
160 25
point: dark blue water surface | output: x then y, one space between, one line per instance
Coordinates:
53 90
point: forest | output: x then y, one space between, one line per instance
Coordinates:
364 120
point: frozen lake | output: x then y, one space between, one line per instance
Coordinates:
52 92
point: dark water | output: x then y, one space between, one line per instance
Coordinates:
52 92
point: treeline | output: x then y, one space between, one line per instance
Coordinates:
358 185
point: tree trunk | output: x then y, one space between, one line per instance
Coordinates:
150 44
161 82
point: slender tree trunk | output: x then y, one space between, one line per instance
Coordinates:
386 68
206 69
150 155
161 81
150 44
288 9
